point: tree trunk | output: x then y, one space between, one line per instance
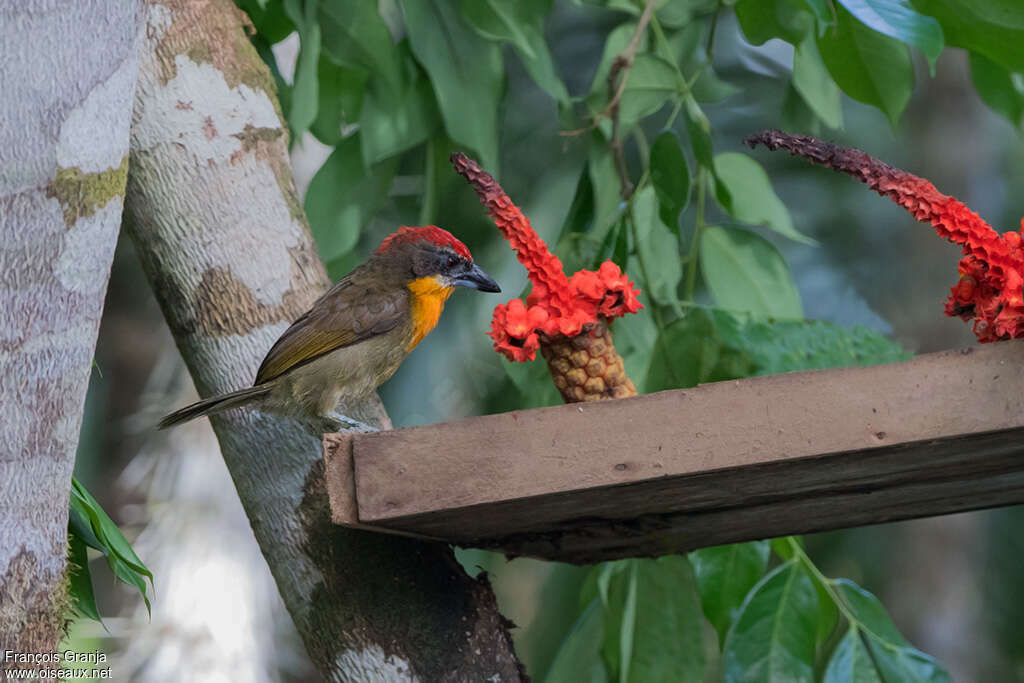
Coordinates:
223 238
67 81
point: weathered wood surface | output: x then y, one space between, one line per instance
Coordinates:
721 463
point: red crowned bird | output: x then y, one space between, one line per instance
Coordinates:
357 334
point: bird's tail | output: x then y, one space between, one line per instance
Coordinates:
214 404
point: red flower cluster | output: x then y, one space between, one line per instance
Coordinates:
557 305
990 292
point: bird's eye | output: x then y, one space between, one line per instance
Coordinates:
451 261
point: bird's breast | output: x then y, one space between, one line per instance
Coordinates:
428 297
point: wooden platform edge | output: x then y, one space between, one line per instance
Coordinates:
726 462
339 475
340 480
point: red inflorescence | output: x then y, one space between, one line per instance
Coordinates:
989 293
557 305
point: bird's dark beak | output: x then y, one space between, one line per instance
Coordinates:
476 278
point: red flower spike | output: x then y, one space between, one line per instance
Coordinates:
565 318
557 305
990 292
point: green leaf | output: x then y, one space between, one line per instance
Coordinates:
391 124
754 202
581 210
341 99
725 574
993 28
670 176
578 659
502 20
762 20
906 665
797 114
822 13
635 337
709 87
604 180
812 80
80 523
653 622
689 351
683 44
828 611
868 66
620 251
851 662
782 546
533 380
894 19
658 248
1001 90
745 272
86 513
83 600
343 197
681 13
897 660
355 35
650 82
304 94
520 23
786 345
271 22
773 637
466 70
699 129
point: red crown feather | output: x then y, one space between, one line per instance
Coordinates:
429 233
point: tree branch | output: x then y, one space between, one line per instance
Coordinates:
68 78
224 241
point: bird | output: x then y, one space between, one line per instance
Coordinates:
355 336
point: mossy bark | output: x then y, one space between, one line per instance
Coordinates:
222 236
67 79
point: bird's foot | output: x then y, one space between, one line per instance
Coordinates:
336 422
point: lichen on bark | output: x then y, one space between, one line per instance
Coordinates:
188 35
82 194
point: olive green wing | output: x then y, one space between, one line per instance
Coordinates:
349 313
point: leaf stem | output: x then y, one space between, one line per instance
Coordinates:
829 585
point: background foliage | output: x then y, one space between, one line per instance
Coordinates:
745 269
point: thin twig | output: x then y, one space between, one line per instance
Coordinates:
618 75
620 67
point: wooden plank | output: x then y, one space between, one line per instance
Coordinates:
723 462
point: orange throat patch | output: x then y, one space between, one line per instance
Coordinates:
428 297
